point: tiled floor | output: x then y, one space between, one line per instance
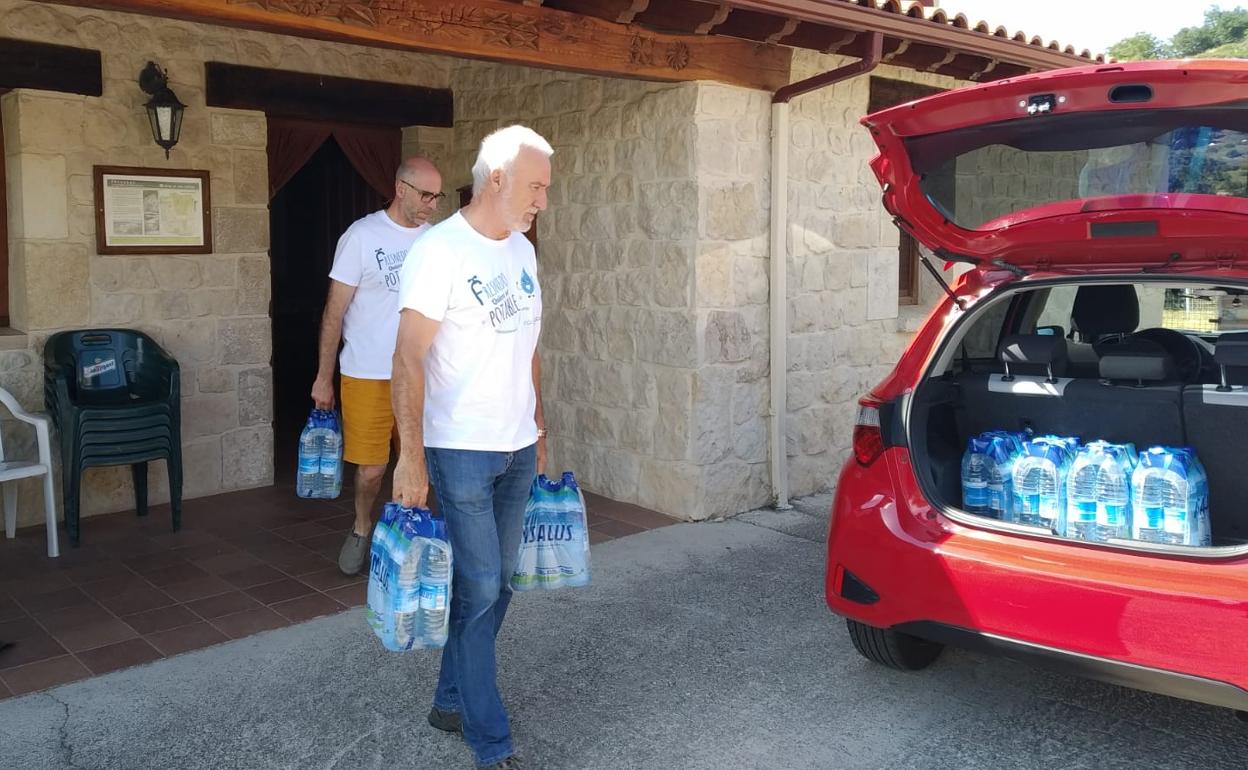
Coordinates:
135 591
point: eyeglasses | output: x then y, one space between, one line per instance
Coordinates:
425 195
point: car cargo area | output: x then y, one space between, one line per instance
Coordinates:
1101 362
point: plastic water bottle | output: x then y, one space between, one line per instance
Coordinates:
330 470
975 476
307 481
1040 482
1170 491
1081 493
1113 492
435 581
408 614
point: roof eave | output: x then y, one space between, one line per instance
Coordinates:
864 19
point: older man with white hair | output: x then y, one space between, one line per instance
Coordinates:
467 389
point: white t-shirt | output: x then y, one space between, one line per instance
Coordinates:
369 256
479 372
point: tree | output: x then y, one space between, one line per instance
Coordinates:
1223 35
1141 45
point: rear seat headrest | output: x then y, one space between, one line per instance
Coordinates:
1034 354
1105 309
1231 349
1137 362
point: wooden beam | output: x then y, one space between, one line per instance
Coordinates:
324 98
24 64
493 30
683 17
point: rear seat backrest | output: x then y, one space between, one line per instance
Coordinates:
1025 397
1136 398
1216 422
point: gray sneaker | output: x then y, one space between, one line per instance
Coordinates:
354 553
510 763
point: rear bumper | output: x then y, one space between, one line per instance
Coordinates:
1157 623
1170 683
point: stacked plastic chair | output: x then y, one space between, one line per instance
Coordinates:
114 397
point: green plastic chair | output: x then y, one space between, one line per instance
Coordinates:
115 398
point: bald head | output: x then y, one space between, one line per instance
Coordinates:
417 191
414 166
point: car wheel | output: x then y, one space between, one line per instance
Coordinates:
892 648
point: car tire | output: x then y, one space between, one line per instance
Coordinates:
892 648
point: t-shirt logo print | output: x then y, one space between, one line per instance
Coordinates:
389 265
504 309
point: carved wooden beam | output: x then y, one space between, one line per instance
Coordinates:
628 14
537 36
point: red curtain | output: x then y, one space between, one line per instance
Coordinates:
373 152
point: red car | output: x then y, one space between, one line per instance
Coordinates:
1101 216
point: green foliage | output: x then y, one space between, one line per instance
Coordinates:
1141 45
1223 35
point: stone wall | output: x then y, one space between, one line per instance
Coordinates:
210 311
846 328
619 342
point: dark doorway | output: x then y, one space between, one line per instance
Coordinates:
307 216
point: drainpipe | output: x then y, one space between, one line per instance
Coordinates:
779 252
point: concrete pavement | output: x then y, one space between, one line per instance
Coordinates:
698 647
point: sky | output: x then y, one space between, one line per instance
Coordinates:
1091 24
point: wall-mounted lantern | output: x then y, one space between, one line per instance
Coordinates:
164 111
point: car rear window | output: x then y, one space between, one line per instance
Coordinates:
978 175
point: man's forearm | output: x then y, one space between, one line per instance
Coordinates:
331 335
538 414
407 395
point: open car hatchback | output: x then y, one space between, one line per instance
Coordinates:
1101 218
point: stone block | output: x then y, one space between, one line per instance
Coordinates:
51 285
882 286
201 467
47 123
215 303
713 276
239 129
245 340
247 458
255 396
711 435
674 488
636 432
219 271
251 177
110 308
674 390
751 280
596 426
816 429
38 197
726 338
216 379
671 286
729 488
176 272
209 415
240 230
669 210
109 125
611 383
112 274
733 213
253 285
667 337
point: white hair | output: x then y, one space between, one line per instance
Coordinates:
499 151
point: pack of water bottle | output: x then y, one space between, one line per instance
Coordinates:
320 457
1096 492
409 579
554 547
1170 497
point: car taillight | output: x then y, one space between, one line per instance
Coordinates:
868 439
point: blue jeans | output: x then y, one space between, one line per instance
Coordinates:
483 496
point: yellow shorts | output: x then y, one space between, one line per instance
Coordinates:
367 421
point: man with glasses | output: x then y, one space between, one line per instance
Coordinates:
363 311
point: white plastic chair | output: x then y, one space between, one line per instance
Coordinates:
12 470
